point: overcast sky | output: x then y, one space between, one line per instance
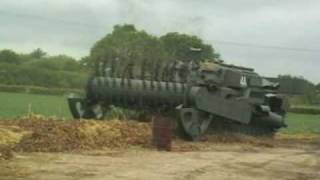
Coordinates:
243 31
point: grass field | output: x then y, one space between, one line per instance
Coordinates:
18 104
302 123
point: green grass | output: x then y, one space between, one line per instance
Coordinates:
18 104
302 123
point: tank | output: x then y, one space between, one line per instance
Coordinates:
201 95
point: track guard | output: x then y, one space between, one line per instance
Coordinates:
194 122
76 106
80 109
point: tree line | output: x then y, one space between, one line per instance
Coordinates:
127 45
39 69
301 90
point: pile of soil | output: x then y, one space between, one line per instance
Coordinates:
10 135
40 134
52 135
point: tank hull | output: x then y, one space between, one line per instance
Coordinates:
219 92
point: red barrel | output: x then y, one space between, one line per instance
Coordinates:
162 133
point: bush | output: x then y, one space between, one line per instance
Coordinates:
31 76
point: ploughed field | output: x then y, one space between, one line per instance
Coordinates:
38 147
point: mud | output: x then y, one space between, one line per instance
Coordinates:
219 161
97 150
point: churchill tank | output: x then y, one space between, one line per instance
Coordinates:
202 96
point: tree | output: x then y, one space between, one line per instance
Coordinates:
37 53
8 56
86 62
295 85
186 47
58 63
300 87
128 45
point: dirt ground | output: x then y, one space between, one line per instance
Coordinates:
217 161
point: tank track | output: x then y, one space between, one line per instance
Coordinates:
224 126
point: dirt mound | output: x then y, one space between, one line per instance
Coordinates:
55 135
40 134
9 135
60 136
